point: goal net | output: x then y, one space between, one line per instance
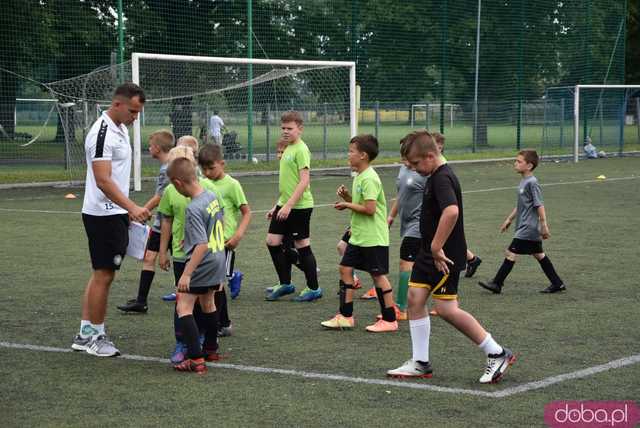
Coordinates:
608 116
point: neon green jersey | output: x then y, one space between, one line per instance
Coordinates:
367 230
229 191
173 204
295 158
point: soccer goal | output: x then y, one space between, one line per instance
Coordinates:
429 113
184 92
606 115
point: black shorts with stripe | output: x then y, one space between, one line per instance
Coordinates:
374 260
108 238
409 248
524 246
230 261
440 286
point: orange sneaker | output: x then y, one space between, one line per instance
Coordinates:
382 326
369 295
400 315
339 322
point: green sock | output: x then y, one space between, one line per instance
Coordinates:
403 290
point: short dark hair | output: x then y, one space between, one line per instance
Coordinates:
292 116
530 156
209 153
130 90
182 169
366 143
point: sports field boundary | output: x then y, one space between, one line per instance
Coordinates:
314 171
506 392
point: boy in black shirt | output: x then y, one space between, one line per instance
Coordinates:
437 268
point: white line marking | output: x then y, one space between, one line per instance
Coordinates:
529 386
491 189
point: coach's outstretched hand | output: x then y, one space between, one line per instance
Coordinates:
139 214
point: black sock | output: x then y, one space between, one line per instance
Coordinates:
346 309
191 335
176 326
211 336
220 298
388 314
504 270
146 278
199 318
549 270
281 263
309 266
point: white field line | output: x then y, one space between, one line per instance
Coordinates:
491 189
590 371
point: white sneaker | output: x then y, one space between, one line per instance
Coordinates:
100 346
412 369
497 365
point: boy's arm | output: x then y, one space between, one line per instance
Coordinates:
199 251
165 234
305 179
544 228
369 207
393 213
505 225
446 224
242 227
153 202
102 174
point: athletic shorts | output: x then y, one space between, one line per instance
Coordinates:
524 246
441 286
374 260
203 290
230 261
296 225
409 248
108 238
153 242
178 269
347 235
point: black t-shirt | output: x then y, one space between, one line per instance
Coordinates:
442 190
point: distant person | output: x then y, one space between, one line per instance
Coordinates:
531 227
590 150
216 124
106 212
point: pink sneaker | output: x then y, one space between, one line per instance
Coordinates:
382 326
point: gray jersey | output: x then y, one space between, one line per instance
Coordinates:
410 187
161 183
203 225
529 199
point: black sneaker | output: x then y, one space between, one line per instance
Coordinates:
472 266
554 289
134 306
494 287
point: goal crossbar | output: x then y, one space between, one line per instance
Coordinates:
576 111
135 77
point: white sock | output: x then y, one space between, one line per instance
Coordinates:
86 329
420 331
490 346
99 328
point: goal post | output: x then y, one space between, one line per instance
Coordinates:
209 81
578 103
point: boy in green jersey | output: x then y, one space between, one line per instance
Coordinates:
235 206
291 215
368 247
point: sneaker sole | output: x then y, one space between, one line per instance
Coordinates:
408 376
77 347
133 312
337 328
490 289
382 331
95 354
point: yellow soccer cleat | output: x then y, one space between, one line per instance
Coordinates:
339 322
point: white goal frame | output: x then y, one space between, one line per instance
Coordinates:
135 77
576 112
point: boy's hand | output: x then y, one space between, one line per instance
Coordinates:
164 261
505 225
284 212
441 261
139 214
343 193
390 221
270 213
183 283
341 205
232 243
544 230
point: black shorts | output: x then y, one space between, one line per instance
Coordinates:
347 235
374 260
153 242
178 269
203 290
441 286
409 248
524 246
108 238
230 261
296 225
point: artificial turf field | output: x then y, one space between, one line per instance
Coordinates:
283 369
